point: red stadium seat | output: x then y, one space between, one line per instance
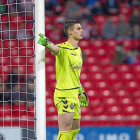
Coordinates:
1 44
96 44
132 121
108 102
125 10
117 120
29 17
99 29
51 77
85 111
48 94
100 19
86 120
31 111
105 61
97 77
1 111
1 52
136 43
115 19
136 94
123 68
137 102
88 85
109 69
84 69
6 52
18 61
132 86
136 68
113 77
113 110
98 111
10 43
110 44
50 69
49 61
4 61
23 110
129 110
92 94
30 61
117 85
84 77
121 93
6 70
49 102
95 103
26 43
94 69
128 44
110 53
15 17
52 85
19 110
26 52
102 120
29 25
48 19
51 111
126 77
84 44
14 52
1 71
30 122
105 94
87 52
4 18
90 61
137 78
15 24
102 85
58 25
100 53
5 110
30 69
125 102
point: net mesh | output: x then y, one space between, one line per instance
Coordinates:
17 104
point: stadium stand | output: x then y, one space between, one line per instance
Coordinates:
113 89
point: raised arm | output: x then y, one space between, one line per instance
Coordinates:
44 41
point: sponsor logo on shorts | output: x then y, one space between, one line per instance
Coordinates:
72 105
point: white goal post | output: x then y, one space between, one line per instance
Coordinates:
22 70
40 71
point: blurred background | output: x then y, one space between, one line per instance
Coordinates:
111 62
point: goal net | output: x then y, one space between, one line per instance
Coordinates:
17 94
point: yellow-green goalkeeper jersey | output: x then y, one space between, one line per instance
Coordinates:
68 69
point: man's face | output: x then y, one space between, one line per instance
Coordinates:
77 32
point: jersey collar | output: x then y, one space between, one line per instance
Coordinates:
70 46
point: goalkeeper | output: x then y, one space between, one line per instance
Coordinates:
68 67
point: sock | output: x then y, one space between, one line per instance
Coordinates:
73 134
63 135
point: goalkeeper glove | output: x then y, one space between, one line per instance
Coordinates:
83 97
43 40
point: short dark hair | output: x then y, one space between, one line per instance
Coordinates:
69 24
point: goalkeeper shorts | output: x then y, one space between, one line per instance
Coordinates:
68 104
